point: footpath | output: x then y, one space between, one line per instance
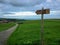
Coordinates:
4 35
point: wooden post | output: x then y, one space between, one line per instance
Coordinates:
42 28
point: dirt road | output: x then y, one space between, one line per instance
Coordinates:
5 34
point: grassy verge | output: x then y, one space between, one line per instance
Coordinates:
4 26
29 33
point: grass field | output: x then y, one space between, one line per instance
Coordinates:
28 33
4 26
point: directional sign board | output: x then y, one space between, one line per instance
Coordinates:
45 11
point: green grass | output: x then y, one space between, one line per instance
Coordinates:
29 33
5 26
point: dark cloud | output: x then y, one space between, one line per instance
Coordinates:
25 2
5 1
22 2
1 1
8 13
27 5
18 5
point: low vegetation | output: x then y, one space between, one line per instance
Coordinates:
5 26
28 33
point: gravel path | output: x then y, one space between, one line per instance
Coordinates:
5 34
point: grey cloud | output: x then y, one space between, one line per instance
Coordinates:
22 2
18 5
53 5
8 13
1 1
4 1
27 5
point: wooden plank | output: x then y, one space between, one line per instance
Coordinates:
45 11
39 12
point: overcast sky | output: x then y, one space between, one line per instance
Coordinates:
25 9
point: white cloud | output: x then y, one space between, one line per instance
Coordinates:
30 13
25 13
49 1
22 14
55 12
58 0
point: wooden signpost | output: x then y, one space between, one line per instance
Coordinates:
43 11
